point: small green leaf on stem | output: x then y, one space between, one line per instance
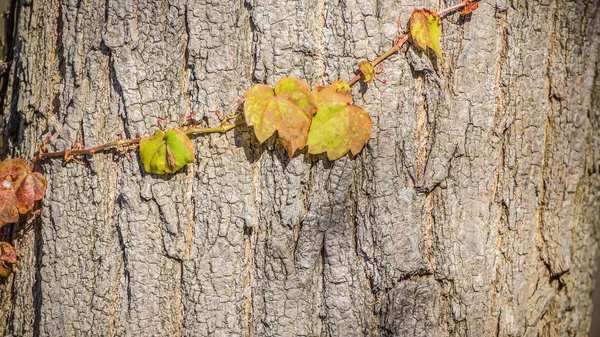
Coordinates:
166 151
367 70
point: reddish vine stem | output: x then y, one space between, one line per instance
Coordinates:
403 38
219 129
69 153
458 6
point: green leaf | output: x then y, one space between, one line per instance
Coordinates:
287 109
166 152
426 30
338 126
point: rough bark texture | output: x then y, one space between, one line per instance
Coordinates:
472 211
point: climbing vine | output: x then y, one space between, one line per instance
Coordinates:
324 119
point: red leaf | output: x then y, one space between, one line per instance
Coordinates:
19 189
31 189
8 211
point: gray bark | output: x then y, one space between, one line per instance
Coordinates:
472 211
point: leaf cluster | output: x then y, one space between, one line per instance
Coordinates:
323 119
20 188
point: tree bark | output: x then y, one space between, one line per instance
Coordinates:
472 211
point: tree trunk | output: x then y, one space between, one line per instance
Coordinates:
472 211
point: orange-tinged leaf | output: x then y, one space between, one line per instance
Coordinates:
336 93
367 70
338 126
31 189
8 209
19 189
426 30
4 270
7 253
287 109
470 6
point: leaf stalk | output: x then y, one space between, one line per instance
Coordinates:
401 39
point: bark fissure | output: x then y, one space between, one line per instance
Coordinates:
37 292
125 269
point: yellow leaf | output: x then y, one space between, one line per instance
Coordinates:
288 109
338 125
426 30
367 70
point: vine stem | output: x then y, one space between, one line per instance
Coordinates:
458 6
67 154
219 129
400 40
91 151
385 55
403 38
